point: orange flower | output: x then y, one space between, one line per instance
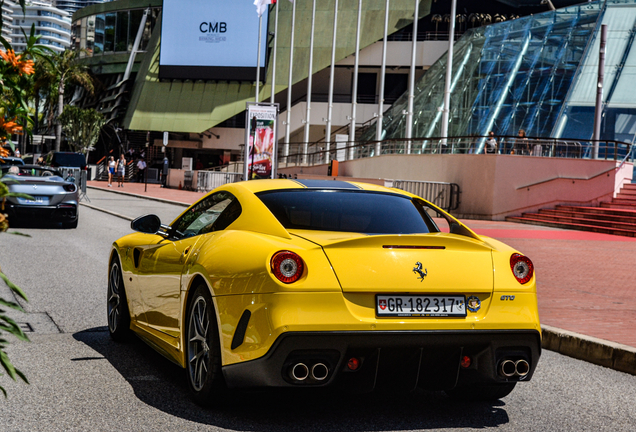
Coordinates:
26 67
10 57
10 126
4 152
23 66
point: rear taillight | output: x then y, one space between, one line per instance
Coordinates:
287 266
70 187
522 268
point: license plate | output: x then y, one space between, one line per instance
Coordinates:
35 200
420 306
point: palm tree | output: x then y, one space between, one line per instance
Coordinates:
60 70
437 18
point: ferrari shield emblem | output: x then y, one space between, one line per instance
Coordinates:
473 304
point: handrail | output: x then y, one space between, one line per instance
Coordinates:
566 178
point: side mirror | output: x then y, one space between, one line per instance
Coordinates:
148 224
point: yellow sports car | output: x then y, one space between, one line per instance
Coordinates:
311 283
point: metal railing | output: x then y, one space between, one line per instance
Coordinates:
77 176
540 147
443 195
208 180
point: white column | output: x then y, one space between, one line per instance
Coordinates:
289 83
309 84
449 73
331 78
379 124
354 96
409 114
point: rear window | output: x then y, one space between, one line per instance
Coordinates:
75 160
348 211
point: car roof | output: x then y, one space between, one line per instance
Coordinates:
11 160
256 186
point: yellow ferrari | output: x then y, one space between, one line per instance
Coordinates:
311 283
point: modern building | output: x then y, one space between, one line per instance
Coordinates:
52 24
206 118
7 20
537 73
72 6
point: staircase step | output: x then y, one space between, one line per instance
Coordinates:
629 218
629 186
582 221
599 210
621 206
574 226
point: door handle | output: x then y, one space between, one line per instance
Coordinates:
184 254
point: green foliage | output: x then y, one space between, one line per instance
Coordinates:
82 127
16 83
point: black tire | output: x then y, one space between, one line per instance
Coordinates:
481 392
203 353
117 304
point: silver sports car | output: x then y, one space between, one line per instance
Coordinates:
54 200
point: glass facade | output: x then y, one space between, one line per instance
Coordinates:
536 73
112 32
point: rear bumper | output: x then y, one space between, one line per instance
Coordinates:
36 213
390 360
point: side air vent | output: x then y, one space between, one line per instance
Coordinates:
241 328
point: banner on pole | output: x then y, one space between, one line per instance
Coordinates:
261 138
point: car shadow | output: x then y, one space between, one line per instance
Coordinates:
162 384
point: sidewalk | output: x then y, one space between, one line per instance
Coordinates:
585 283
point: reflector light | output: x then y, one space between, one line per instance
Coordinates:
287 266
353 364
465 362
522 268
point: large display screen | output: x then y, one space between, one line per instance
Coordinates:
211 40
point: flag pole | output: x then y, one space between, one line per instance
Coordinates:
309 83
331 78
379 126
258 57
409 114
274 57
449 74
289 83
354 97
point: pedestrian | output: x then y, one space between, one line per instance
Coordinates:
121 170
17 152
40 161
141 170
111 170
491 143
521 143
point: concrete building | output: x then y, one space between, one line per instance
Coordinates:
72 6
51 23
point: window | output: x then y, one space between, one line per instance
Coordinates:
348 211
213 213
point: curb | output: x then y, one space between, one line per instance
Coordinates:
590 349
112 213
165 201
587 348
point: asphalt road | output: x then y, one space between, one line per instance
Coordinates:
81 380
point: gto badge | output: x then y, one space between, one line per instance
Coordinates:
507 297
473 304
418 269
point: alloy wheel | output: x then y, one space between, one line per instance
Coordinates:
198 343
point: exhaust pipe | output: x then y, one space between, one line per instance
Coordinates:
507 368
522 368
299 372
319 371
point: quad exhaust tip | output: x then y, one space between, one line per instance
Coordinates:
511 368
299 372
522 368
319 371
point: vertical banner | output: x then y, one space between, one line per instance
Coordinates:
261 138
